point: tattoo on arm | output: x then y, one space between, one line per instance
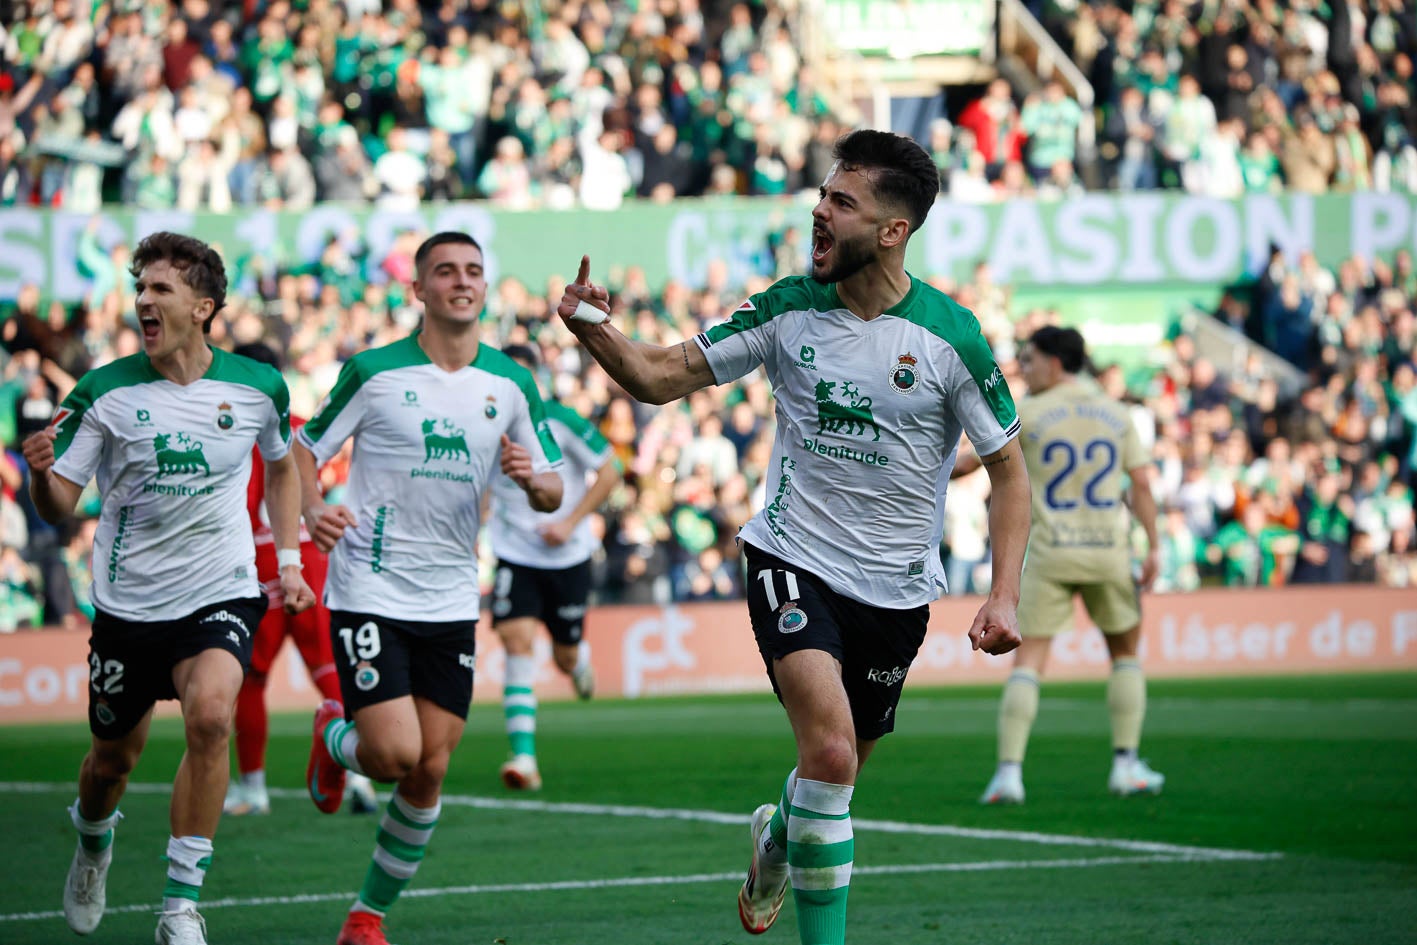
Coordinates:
684 350
995 460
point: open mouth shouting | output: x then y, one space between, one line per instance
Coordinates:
151 326
822 243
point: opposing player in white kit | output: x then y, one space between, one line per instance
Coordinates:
433 418
875 374
169 433
543 575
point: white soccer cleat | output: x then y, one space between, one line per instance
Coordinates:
359 791
1005 787
185 927
583 678
759 903
84 893
1134 776
242 800
520 773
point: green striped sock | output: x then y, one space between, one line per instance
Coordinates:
188 859
403 838
777 827
519 704
95 836
820 850
342 740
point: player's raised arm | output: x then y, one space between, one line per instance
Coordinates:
54 496
649 373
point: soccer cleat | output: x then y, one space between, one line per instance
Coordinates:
1005 787
1134 776
583 678
185 927
520 773
758 907
84 893
242 800
362 928
323 776
359 790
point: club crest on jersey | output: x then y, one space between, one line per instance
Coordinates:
791 618
225 418
490 411
366 677
905 375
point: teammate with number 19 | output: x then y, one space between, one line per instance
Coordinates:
875 375
1080 446
433 418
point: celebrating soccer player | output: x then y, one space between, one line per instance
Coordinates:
875 374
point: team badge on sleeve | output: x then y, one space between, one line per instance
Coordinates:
905 376
60 415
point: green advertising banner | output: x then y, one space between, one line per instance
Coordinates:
1098 241
901 29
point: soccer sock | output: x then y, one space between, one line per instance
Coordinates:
519 704
252 724
820 849
403 838
95 836
582 657
342 740
326 679
1017 710
777 826
254 779
187 862
1126 702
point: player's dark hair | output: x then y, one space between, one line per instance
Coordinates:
1065 344
902 173
259 351
522 353
439 239
200 265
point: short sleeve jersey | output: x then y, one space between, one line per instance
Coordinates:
515 525
172 463
869 415
427 442
1079 445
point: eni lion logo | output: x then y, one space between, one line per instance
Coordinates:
844 411
449 444
187 458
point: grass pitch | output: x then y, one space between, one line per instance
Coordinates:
1289 816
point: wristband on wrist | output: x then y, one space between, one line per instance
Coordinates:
286 557
585 312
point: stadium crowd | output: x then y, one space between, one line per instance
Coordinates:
210 105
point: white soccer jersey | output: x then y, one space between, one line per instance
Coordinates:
172 463
869 415
514 526
426 444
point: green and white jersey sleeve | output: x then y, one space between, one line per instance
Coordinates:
427 442
869 415
172 464
515 528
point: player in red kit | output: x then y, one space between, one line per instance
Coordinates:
309 630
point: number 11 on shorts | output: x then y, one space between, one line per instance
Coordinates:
789 579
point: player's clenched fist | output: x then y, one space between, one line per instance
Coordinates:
38 449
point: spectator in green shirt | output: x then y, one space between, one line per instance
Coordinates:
1051 122
1252 553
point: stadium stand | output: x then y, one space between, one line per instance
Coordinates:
1296 464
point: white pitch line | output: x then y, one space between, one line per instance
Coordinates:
717 817
639 881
